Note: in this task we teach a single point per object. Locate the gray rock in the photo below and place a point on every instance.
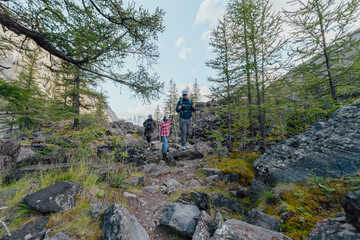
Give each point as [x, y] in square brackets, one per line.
[212, 171]
[260, 219]
[181, 218]
[334, 229]
[240, 193]
[135, 181]
[59, 236]
[202, 149]
[351, 205]
[97, 209]
[212, 179]
[203, 229]
[234, 229]
[129, 195]
[173, 186]
[220, 200]
[60, 196]
[9, 150]
[148, 168]
[25, 152]
[230, 178]
[34, 230]
[151, 189]
[193, 183]
[328, 149]
[119, 224]
[202, 200]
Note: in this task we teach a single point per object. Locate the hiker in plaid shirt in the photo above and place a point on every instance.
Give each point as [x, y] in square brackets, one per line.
[164, 128]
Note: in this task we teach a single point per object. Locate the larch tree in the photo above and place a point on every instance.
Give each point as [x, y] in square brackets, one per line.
[195, 93]
[321, 27]
[95, 37]
[223, 64]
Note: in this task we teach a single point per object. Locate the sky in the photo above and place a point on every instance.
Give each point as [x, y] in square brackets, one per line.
[184, 49]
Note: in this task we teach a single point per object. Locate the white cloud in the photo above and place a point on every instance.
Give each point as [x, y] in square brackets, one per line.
[184, 51]
[210, 11]
[179, 41]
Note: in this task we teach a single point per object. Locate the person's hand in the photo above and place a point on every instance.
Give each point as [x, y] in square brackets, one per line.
[179, 107]
[193, 106]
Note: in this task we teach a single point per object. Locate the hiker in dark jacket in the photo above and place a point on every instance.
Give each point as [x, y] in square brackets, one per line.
[185, 107]
[150, 126]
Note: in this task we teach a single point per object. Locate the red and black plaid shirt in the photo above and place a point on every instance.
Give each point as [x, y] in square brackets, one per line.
[165, 128]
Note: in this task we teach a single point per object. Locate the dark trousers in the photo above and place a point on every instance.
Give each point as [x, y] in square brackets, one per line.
[185, 128]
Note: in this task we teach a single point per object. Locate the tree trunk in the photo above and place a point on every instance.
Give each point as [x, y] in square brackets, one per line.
[248, 80]
[326, 54]
[76, 99]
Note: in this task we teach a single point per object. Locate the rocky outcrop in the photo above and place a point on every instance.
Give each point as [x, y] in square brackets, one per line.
[181, 218]
[60, 196]
[235, 229]
[59, 236]
[34, 230]
[260, 219]
[205, 118]
[199, 150]
[328, 149]
[202, 200]
[118, 224]
[98, 208]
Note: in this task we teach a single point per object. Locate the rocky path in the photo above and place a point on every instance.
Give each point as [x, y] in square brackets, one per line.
[160, 182]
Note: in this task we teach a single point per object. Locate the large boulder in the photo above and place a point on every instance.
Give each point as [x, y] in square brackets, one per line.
[181, 218]
[59, 236]
[260, 219]
[235, 229]
[9, 150]
[351, 205]
[334, 229]
[220, 200]
[119, 224]
[34, 230]
[60, 196]
[328, 149]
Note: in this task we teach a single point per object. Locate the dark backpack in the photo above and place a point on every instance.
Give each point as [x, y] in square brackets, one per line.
[149, 125]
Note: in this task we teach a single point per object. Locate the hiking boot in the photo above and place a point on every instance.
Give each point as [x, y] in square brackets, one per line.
[183, 147]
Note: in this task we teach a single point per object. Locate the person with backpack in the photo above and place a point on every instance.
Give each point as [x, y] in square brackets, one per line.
[150, 126]
[164, 128]
[185, 107]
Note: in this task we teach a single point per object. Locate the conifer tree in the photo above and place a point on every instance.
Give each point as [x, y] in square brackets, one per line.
[195, 94]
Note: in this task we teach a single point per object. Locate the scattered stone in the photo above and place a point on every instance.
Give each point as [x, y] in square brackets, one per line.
[181, 218]
[98, 209]
[24, 153]
[351, 205]
[135, 181]
[184, 199]
[235, 229]
[328, 149]
[220, 200]
[241, 193]
[260, 219]
[119, 224]
[152, 189]
[212, 179]
[34, 230]
[202, 200]
[173, 186]
[203, 227]
[60, 196]
[154, 181]
[212, 171]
